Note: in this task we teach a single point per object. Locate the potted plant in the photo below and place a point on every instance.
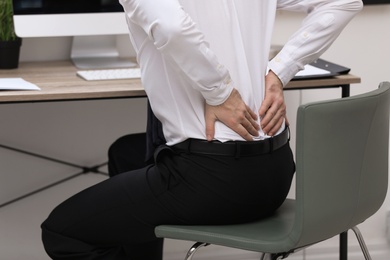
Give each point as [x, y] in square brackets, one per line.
[9, 42]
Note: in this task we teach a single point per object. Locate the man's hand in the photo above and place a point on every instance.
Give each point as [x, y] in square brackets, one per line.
[235, 114]
[273, 109]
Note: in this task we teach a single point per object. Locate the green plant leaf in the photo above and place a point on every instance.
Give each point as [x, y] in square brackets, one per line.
[7, 32]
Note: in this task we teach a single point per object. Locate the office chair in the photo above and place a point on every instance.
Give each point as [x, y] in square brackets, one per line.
[342, 157]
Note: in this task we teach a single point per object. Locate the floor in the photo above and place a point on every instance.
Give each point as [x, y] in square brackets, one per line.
[20, 221]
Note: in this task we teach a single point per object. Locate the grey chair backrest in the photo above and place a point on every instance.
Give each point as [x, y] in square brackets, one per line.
[342, 158]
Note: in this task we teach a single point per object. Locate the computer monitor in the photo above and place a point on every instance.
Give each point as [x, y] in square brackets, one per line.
[94, 25]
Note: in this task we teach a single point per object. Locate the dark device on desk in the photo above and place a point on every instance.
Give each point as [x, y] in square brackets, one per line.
[334, 70]
[375, 2]
[65, 6]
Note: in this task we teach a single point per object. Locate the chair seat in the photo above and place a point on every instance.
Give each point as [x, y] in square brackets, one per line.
[268, 235]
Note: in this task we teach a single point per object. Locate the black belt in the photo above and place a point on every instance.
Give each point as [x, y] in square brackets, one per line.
[234, 148]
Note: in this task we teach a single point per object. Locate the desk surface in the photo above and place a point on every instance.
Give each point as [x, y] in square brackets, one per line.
[58, 81]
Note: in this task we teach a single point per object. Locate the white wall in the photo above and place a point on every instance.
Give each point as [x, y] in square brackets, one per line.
[82, 131]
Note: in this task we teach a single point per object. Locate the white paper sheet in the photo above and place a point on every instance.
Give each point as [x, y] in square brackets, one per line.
[310, 70]
[16, 84]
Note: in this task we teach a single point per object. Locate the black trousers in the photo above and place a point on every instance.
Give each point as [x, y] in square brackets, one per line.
[115, 219]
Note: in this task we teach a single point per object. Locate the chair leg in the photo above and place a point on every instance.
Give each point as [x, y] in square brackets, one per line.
[361, 243]
[278, 256]
[267, 256]
[193, 249]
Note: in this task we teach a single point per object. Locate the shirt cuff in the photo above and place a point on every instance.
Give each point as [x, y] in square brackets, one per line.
[284, 68]
[218, 95]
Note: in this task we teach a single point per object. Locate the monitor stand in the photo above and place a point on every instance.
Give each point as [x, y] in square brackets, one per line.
[98, 52]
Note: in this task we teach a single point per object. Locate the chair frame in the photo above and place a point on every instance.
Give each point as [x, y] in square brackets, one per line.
[198, 245]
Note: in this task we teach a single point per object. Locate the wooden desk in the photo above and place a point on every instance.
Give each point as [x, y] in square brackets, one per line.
[58, 81]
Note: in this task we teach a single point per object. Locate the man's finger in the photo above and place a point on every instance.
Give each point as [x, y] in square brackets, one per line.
[251, 124]
[276, 126]
[264, 108]
[273, 122]
[243, 132]
[252, 114]
[210, 126]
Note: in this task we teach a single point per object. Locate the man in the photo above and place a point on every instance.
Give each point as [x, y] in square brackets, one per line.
[205, 70]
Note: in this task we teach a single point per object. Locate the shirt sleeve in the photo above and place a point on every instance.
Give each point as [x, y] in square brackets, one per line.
[176, 36]
[324, 22]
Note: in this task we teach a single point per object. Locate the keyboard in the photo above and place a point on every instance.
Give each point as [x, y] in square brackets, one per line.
[110, 74]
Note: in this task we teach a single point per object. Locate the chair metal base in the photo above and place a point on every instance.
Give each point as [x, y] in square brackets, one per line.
[193, 249]
[361, 243]
[265, 256]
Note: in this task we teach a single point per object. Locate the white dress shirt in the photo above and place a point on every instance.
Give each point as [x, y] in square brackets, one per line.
[196, 51]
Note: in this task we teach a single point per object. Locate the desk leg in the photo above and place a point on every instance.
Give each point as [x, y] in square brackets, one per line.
[345, 92]
[344, 245]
